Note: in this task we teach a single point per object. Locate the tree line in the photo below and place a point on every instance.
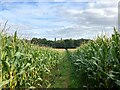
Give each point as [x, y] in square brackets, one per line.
[66, 43]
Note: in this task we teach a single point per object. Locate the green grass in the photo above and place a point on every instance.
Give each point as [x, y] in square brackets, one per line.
[62, 73]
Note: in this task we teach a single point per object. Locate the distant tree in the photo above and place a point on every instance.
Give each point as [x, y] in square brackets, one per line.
[34, 41]
[55, 39]
[67, 43]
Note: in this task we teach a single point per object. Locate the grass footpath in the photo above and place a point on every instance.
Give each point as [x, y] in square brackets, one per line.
[63, 72]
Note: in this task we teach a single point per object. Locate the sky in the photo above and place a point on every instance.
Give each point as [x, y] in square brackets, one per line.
[59, 18]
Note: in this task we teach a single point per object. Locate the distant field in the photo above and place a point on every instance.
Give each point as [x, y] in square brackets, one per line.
[61, 50]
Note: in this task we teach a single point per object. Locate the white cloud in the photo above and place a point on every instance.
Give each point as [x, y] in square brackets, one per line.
[85, 21]
[96, 18]
[60, 1]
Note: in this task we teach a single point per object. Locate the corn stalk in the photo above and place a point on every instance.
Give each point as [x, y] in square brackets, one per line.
[0, 69]
[96, 63]
[25, 65]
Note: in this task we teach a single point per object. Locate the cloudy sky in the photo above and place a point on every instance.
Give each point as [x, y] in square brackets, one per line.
[59, 18]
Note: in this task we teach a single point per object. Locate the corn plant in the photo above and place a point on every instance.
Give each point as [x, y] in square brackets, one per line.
[23, 65]
[97, 63]
[0, 67]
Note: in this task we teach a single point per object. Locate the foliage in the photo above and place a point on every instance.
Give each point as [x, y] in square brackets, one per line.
[97, 64]
[25, 65]
[67, 43]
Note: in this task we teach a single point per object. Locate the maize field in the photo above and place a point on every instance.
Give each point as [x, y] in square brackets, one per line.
[23, 65]
[97, 63]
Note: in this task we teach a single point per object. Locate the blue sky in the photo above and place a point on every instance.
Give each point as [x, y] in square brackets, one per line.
[59, 18]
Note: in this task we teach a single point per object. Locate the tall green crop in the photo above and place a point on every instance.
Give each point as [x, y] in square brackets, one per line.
[97, 63]
[0, 66]
[25, 65]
